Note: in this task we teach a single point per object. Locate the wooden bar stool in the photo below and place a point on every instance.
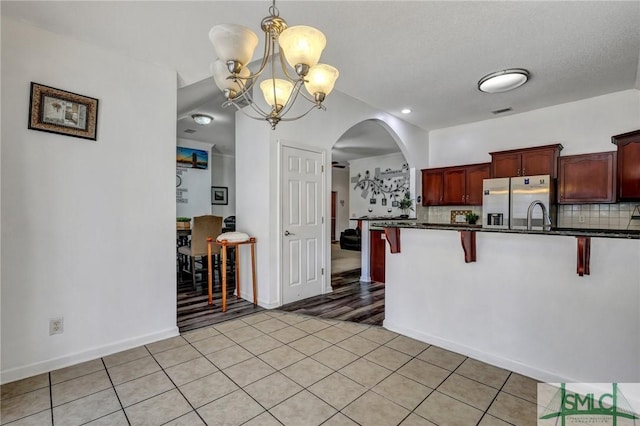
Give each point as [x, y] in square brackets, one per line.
[224, 243]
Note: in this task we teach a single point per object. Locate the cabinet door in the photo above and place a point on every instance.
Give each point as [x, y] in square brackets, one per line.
[587, 178]
[628, 165]
[377, 258]
[539, 162]
[475, 176]
[455, 181]
[505, 165]
[432, 187]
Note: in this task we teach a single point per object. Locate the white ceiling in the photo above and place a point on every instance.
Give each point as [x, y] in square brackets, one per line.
[425, 55]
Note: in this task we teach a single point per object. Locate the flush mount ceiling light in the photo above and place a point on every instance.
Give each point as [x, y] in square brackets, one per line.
[202, 119]
[406, 111]
[503, 81]
[299, 46]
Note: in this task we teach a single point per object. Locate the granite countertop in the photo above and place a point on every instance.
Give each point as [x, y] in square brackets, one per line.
[571, 232]
[384, 218]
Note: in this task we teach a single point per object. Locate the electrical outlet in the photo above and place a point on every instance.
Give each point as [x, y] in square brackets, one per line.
[56, 326]
[581, 219]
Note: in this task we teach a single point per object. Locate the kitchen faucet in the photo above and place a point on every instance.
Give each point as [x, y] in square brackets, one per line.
[545, 216]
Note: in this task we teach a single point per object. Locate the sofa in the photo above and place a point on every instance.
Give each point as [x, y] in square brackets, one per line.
[350, 239]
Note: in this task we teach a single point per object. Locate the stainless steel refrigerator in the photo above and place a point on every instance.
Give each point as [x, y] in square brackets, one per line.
[495, 203]
[531, 203]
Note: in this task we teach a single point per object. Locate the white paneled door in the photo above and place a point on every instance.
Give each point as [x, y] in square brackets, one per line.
[302, 223]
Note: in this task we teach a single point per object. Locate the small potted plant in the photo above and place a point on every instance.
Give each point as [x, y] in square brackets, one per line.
[183, 222]
[405, 205]
[472, 218]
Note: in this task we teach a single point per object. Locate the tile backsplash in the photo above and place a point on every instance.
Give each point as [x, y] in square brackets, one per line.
[603, 216]
[442, 214]
[593, 216]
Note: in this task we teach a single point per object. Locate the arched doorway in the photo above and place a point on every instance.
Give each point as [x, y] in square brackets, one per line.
[370, 174]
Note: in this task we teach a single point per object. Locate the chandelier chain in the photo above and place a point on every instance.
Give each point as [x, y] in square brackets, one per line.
[273, 10]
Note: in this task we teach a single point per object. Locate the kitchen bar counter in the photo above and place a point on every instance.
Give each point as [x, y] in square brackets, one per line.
[521, 305]
[570, 232]
[365, 241]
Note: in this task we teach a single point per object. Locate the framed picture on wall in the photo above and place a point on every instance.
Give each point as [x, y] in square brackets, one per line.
[194, 158]
[66, 113]
[220, 195]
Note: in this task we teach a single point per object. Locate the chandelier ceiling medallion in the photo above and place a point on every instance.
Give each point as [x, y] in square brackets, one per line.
[299, 46]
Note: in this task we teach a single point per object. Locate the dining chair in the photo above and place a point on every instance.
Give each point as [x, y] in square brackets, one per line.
[203, 228]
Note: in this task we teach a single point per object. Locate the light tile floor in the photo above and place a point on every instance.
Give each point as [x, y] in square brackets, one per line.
[275, 368]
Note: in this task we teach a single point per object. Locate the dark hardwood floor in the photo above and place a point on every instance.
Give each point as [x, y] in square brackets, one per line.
[350, 300]
[194, 311]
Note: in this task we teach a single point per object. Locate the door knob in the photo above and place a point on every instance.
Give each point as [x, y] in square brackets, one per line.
[287, 233]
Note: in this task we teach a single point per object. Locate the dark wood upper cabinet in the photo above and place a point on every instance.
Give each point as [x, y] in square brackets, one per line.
[455, 185]
[628, 175]
[587, 178]
[505, 165]
[538, 160]
[432, 189]
[475, 175]
[459, 185]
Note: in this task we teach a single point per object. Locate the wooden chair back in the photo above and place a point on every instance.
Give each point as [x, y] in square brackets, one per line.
[203, 228]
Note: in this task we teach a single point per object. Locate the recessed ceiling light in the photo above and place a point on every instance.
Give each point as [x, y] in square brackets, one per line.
[502, 81]
[406, 111]
[202, 119]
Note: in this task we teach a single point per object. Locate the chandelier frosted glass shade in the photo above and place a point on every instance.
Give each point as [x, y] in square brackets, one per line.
[320, 80]
[503, 81]
[276, 92]
[233, 43]
[221, 76]
[302, 45]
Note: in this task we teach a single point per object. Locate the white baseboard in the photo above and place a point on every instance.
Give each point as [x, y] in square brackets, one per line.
[268, 305]
[22, 372]
[489, 358]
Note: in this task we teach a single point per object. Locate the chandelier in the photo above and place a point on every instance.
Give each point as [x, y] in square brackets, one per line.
[299, 46]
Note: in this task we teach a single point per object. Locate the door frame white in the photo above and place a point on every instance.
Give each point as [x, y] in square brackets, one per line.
[280, 144]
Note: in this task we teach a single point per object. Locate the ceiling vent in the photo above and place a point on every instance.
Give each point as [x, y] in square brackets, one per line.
[189, 131]
[501, 111]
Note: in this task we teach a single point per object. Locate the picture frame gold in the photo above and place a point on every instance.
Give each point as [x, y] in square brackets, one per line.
[59, 111]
